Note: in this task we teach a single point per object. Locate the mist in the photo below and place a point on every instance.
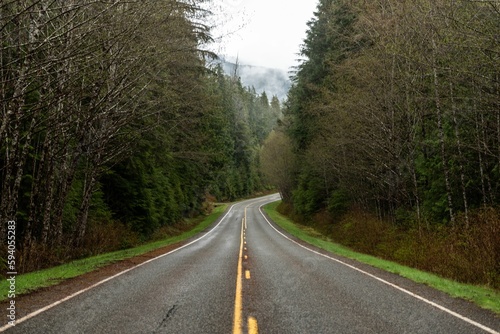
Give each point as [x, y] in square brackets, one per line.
[271, 80]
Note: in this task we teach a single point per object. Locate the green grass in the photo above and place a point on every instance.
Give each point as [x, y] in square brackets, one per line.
[51, 276]
[483, 296]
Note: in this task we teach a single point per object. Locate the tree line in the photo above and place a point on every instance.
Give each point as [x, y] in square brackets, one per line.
[395, 111]
[112, 116]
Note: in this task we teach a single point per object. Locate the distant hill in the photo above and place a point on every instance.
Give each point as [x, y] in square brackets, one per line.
[271, 80]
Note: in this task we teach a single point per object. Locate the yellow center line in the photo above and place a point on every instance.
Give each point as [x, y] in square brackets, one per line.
[252, 326]
[238, 299]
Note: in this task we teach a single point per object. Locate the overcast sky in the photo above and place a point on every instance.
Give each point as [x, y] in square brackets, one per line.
[263, 32]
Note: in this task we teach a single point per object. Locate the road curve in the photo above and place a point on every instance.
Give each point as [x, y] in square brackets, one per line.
[245, 276]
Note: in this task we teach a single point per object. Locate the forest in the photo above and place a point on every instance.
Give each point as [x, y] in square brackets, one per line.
[391, 137]
[115, 123]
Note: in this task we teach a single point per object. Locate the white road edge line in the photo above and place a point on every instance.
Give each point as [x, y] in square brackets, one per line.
[37, 312]
[442, 308]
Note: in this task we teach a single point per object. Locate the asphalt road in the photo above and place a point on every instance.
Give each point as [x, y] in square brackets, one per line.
[244, 276]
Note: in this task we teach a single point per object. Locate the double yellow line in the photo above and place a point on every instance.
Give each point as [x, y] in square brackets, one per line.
[238, 299]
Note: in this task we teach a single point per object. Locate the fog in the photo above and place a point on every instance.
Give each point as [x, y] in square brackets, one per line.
[271, 80]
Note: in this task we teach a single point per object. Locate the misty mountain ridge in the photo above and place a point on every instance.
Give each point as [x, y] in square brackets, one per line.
[271, 80]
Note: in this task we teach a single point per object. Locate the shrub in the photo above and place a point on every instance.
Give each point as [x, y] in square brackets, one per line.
[468, 252]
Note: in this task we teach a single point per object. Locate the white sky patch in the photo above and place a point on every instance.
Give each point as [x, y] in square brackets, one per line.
[264, 33]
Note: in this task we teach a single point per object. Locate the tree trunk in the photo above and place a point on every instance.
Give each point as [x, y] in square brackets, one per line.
[441, 134]
[81, 221]
[460, 155]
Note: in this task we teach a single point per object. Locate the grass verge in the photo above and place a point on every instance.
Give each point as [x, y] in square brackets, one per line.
[39, 279]
[485, 297]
